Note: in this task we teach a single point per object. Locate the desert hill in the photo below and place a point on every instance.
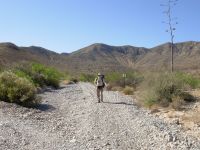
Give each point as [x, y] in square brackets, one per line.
[102, 57]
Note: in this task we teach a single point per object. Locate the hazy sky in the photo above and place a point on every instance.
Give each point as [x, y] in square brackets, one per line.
[67, 25]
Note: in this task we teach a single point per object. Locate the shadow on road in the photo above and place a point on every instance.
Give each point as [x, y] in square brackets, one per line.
[119, 103]
[45, 107]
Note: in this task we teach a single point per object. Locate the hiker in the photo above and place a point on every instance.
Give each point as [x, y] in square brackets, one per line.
[100, 84]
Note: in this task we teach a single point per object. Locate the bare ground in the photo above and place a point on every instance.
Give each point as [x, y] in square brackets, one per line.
[71, 118]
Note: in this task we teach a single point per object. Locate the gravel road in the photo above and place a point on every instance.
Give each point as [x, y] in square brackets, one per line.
[71, 119]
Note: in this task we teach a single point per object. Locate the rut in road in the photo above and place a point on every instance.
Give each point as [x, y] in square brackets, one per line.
[71, 118]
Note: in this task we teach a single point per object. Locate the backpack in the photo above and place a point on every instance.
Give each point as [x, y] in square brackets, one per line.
[100, 81]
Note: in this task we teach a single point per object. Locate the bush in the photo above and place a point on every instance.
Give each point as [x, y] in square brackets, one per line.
[128, 90]
[177, 102]
[109, 87]
[192, 80]
[115, 78]
[87, 77]
[18, 90]
[164, 89]
[46, 75]
[133, 79]
[39, 74]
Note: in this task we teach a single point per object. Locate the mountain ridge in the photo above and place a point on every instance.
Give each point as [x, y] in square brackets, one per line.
[103, 57]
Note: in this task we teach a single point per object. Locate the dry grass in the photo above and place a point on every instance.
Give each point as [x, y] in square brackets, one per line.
[191, 116]
[128, 90]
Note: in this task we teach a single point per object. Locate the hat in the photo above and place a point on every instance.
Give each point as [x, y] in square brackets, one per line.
[99, 74]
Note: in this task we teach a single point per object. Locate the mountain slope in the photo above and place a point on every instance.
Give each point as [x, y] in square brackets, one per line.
[105, 57]
[102, 57]
[186, 57]
[11, 54]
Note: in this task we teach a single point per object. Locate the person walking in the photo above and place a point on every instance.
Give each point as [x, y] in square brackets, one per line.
[100, 84]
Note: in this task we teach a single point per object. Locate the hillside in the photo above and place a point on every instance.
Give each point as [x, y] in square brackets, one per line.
[105, 57]
[186, 57]
[102, 57]
[11, 54]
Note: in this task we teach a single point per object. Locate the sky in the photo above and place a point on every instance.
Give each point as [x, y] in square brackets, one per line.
[68, 25]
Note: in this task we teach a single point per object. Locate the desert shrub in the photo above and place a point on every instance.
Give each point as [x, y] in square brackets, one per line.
[23, 74]
[128, 90]
[87, 77]
[114, 88]
[192, 80]
[163, 89]
[150, 100]
[114, 79]
[50, 75]
[177, 102]
[18, 90]
[39, 74]
[133, 79]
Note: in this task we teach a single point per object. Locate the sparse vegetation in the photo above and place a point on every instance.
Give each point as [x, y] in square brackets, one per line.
[39, 74]
[165, 89]
[18, 90]
[128, 90]
[87, 77]
[19, 84]
[115, 79]
[192, 80]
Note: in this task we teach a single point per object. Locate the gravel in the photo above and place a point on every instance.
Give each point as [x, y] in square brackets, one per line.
[71, 118]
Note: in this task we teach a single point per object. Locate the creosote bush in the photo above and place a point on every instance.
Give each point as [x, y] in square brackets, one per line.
[165, 89]
[39, 74]
[18, 90]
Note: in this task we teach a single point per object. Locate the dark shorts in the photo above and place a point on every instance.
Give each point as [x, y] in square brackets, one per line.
[99, 87]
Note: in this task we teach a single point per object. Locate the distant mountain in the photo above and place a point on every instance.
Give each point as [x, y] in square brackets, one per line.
[102, 57]
[186, 57]
[106, 58]
[11, 54]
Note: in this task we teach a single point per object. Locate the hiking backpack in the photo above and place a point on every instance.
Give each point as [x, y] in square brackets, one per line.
[100, 81]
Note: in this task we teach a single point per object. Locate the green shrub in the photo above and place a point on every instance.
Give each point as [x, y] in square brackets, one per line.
[164, 88]
[192, 80]
[39, 74]
[46, 75]
[114, 78]
[23, 74]
[87, 77]
[133, 79]
[150, 101]
[18, 90]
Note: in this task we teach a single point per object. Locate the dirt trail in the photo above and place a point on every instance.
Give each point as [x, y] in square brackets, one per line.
[71, 118]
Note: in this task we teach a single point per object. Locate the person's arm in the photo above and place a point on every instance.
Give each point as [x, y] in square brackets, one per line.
[104, 82]
[95, 81]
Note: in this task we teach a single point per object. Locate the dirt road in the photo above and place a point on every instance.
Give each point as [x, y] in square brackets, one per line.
[71, 119]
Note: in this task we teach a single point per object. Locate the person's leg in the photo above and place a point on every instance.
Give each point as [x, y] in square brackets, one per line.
[98, 94]
[102, 94]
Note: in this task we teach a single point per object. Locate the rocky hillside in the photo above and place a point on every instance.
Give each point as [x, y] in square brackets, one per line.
[186, 57]
[11, 54]
[106, 58]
